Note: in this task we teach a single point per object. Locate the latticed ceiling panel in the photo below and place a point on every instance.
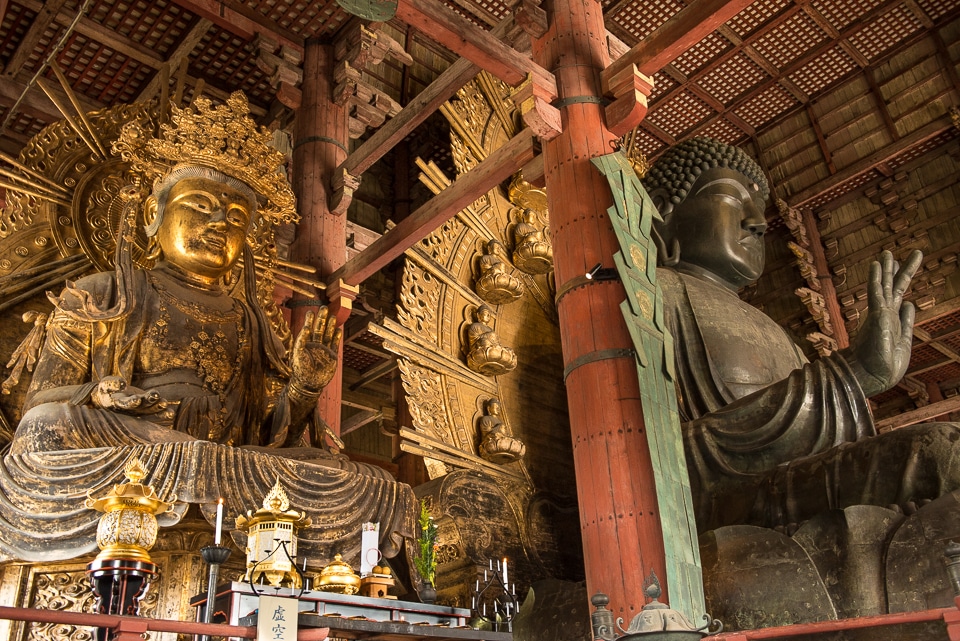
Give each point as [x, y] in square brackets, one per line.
[681, 113]
[99, 72]
[701, 54]
[50, 35]
[650, 145]
[788, 41]
[848, 186]
[755, 16]
[662, 84]
[842, 13]
[221, 56]
[947, 372]
[936, 8]
[15, 23]
[723, 130]
[304, 18]
[821, 72]
[23, 124]
[885, 32]
[733, 78]
[765, 106]
[158, 25]
[923, 356]
[641, 19]
[925, 148]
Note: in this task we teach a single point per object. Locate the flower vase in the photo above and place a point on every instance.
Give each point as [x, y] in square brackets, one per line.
[427, 594]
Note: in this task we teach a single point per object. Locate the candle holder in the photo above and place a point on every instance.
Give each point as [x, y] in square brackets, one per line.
[505, 604]
[215, 556]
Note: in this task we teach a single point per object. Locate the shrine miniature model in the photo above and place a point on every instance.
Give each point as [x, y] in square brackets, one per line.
[162, 359]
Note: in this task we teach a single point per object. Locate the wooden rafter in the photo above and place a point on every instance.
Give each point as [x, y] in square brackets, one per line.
[501, 164]
[242, 21]
[47, 14]
[179, 55]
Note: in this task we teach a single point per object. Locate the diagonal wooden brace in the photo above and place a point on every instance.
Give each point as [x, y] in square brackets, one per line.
[533, 98]
[628, 89]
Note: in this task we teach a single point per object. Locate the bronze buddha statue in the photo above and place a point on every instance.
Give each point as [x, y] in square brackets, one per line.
[494, 284]
[485, 354]
[770, 438]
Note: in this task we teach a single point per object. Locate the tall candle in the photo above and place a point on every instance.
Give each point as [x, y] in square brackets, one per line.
[216, 537]
[505, 582]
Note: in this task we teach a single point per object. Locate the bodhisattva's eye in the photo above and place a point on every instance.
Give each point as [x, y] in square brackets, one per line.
[237, 215]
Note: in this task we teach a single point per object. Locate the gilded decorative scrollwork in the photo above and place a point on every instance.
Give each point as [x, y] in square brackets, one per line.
[419, 297]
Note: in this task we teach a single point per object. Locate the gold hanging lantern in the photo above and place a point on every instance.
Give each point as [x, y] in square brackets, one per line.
[272, 540]
[128, 527]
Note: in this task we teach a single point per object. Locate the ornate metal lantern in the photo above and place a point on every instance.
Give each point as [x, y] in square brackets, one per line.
[128, 527]
[272, 540]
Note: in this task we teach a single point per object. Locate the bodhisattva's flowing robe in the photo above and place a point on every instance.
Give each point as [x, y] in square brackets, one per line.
[772, 439]
[65, 446]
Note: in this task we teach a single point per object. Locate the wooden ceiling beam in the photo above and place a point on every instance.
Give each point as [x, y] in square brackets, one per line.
[497, 167]
[179, 55]
[45, 17]
[416, 111]
[919, 415]
[882, 155]
[242, 21]
[686, 28]
[111, 39]
[481, 47]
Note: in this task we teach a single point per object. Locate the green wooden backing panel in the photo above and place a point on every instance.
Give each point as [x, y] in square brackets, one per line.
[632, 214]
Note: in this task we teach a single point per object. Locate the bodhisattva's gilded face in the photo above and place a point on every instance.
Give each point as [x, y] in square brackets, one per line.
[204, 227]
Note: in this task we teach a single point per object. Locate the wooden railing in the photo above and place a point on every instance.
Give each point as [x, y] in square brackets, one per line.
[133, 628]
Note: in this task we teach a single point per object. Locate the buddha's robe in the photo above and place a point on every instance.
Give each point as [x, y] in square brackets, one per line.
[772, 439]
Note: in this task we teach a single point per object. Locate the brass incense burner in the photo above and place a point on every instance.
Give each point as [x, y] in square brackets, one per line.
[338, 577]
[128, 527]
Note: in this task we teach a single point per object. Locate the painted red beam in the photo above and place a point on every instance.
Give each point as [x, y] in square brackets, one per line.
[484, 49]
[496, 168]
[688, 27]
[234, 18]
[949, 616]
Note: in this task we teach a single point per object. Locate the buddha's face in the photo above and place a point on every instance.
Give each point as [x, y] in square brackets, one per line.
[204, 226]
[720, 227]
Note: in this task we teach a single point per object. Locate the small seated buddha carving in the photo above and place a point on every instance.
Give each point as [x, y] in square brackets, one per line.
[487, 356]
[496, 444]
[495, 285]
[531, 254]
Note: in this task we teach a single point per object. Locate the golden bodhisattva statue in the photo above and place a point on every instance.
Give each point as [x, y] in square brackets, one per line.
[487, 356]
[532, 254]
[495, 285]
[167, 357]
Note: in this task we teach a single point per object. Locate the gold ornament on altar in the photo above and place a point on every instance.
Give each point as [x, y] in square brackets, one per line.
[128, 527]
[338, 577]
[272, 540]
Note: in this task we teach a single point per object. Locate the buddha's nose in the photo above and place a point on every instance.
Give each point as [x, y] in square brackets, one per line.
[754, 220]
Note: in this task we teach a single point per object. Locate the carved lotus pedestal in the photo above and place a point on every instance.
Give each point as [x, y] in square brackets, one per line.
[534, 258]
[502, 449]
[492, 361]
[499, 288]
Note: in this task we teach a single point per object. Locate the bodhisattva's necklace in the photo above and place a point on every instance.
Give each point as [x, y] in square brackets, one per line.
[209, 344]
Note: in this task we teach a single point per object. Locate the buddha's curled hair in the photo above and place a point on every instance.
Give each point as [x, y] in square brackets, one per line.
[680, 166]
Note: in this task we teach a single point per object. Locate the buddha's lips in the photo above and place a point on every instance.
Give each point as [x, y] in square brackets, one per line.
[214, 239]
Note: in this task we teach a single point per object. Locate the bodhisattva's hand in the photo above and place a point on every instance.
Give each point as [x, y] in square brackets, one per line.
[314, 360]
[880, 352]
[113, 393]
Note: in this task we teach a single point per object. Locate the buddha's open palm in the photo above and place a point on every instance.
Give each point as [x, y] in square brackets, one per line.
[881, 350]
[315, 351]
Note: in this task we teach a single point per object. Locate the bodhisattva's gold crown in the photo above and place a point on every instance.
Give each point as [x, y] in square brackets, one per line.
[224, 138]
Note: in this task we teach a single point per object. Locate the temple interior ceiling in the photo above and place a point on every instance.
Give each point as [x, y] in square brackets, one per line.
[850, 106]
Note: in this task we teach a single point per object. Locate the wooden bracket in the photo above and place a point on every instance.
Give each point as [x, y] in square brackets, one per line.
[340, 297]
[628, 89]
[533, 99]
[531, 18]
[342, 187]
